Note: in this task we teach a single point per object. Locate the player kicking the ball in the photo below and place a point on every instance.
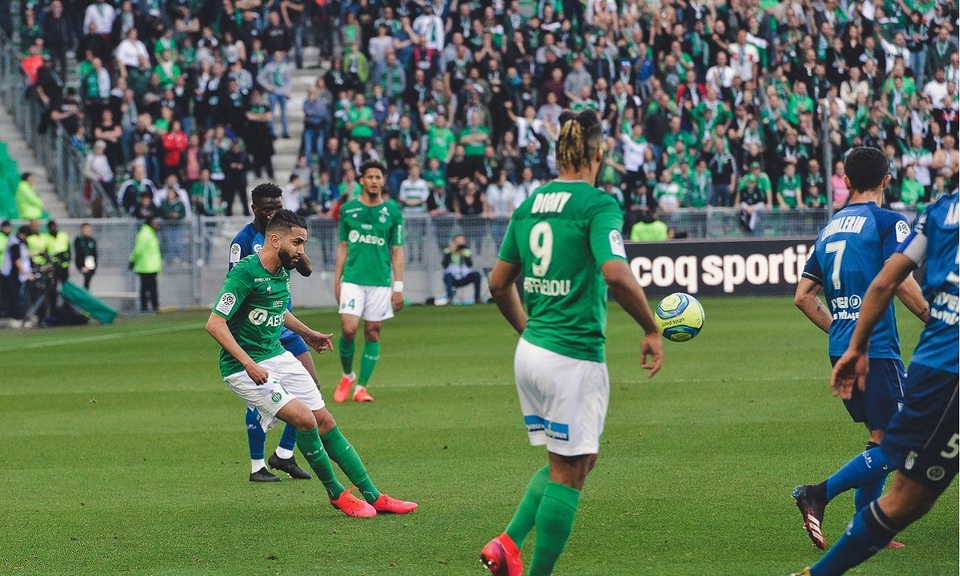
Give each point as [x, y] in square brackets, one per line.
[265, 200]
[371, 239]
[565, 240]
[246, 321]
[921, 441]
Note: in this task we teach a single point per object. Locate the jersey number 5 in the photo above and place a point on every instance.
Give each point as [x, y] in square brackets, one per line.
[839, 246]
[541, 245]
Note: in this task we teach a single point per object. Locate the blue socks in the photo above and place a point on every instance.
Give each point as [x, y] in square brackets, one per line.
[256, 437]
[866, 471]
[869, 532]
[289, 439]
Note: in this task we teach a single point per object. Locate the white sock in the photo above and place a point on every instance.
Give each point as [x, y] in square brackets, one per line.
[357, 388]
[282, 453]
[256, 465]
[352, 375]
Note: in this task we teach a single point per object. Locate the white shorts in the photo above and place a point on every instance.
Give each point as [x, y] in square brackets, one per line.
[564, 400]
[288, 380]
[372, 303]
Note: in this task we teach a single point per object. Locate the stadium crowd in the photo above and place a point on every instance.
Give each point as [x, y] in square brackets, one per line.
[712, 102]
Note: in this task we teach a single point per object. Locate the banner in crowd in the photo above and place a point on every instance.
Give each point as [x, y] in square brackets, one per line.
[741, 267]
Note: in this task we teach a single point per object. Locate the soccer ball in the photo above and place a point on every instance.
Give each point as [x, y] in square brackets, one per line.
[680, 317]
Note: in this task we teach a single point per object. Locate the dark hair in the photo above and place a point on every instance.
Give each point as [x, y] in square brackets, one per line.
[265, 190]
[26, 175]
[24, 230]
[865, 167]
[371, 165]
[581, 135]
[285, 220]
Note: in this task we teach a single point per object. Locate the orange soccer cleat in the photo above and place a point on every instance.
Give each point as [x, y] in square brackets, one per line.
[390, 505]
[343, 388]
[502, 557]
[353, 506]
[361, 395]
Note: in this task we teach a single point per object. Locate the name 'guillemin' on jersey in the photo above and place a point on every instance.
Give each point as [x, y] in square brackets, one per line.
[560, 236]
[370, 232]
[253, 302]
[849, 253]
[935, 238]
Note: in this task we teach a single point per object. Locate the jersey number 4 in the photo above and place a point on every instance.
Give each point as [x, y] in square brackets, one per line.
[541, 245]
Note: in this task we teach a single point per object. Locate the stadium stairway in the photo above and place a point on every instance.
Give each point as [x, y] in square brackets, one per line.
[19, 151]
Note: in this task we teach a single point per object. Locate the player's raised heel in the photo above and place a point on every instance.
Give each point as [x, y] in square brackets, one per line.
[288, 465]
[353, 506]
[263, 475]
[804, 572]
[502, 557]
[343, 388]
[390, 505]
[812, 509]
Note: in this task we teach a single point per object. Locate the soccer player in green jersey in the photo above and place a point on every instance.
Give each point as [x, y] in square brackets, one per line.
[246, 322]
[371, 243]
[565, 240]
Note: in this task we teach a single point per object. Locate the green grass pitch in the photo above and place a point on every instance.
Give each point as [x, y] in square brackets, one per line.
[126, 454]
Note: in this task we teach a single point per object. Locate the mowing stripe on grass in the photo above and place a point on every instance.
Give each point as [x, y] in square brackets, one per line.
[99, 338]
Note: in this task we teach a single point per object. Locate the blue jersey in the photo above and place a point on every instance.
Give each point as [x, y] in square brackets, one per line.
[850, 251]
[935, 239]
[249, 241]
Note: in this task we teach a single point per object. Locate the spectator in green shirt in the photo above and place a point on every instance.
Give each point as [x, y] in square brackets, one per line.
[360, 123]
[788, 188]
[911, 191]
[440, 140]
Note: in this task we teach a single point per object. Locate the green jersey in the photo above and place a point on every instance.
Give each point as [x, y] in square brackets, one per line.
[370, 232]
[253, 301]
[560, 236]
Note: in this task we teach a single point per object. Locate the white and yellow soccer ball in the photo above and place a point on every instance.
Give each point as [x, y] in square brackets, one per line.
[680, 317]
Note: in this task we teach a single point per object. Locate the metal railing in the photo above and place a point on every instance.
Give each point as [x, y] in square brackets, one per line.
[52, 149]
[195, 252]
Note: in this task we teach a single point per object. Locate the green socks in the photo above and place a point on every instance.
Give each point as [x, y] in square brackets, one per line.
[349, 461]
[346, 354]
[371, 353]
[526, 514]
[554, 523]
[309, 444]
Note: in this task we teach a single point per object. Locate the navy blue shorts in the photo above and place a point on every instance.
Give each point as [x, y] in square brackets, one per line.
[884, 394]
[294, 344]
[923, 438]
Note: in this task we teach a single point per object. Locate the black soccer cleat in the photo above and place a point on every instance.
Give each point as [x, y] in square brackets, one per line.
[811, 508]
[288, 465]
[263, 475]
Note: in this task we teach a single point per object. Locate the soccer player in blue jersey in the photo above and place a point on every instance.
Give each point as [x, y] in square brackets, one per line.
[922, 441]
[266, 199]
[849, 253]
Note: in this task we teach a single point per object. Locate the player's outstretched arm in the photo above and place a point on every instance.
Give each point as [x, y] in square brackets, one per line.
[851, 369]
[503, 288]
[807, 299]
[217, 327]
[625, 290]
[317, 340]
